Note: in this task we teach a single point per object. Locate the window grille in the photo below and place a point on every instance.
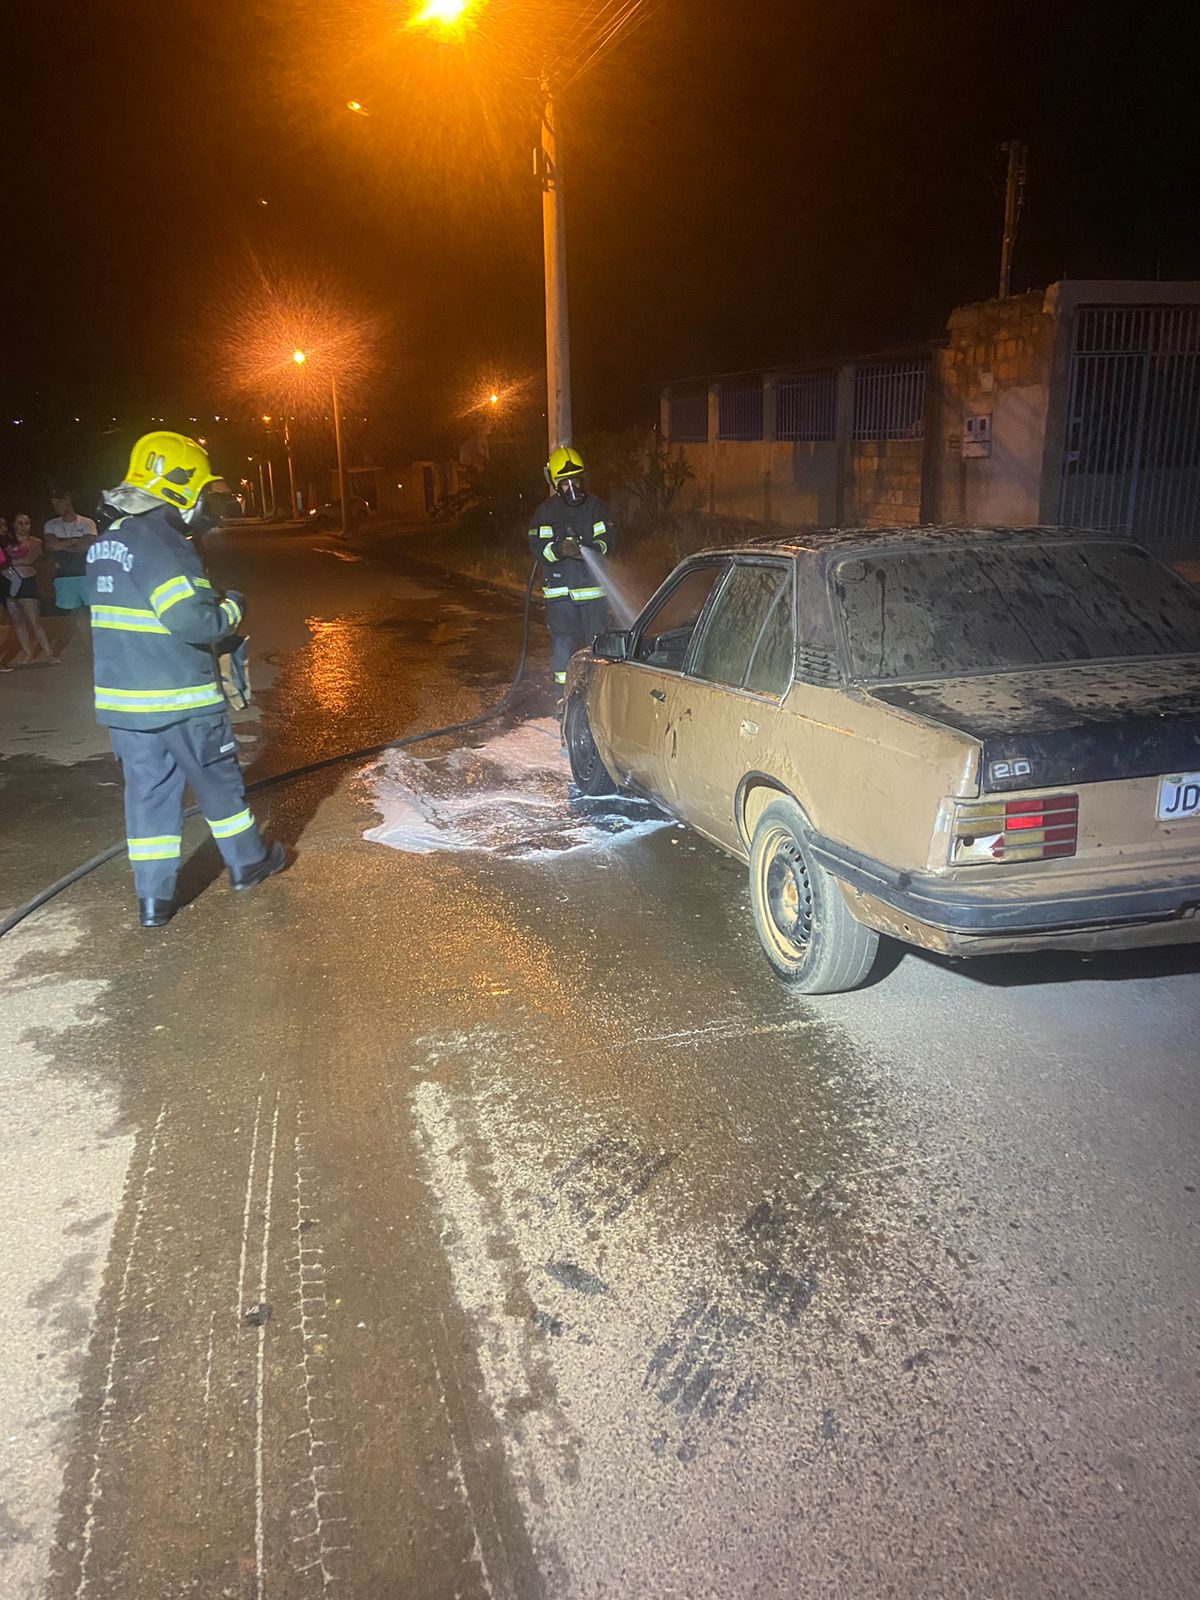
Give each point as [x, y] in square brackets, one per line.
[688, 419]
[889, 400]
[806, 408]
[740, 409]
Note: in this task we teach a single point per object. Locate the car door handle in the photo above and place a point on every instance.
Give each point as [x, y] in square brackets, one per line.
[657, 694]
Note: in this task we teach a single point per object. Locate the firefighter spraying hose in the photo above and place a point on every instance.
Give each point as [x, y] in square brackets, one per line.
[572, 531]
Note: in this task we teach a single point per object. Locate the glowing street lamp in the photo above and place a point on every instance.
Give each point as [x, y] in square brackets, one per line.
[445, 13]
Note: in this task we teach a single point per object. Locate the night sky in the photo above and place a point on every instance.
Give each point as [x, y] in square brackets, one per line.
[747, 183]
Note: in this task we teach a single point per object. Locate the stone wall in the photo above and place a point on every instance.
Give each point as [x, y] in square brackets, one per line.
[884, 487]
[997, 435]
[996, 366]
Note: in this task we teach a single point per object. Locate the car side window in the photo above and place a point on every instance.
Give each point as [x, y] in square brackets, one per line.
[665, 636]
[739, 623]
[773, 661]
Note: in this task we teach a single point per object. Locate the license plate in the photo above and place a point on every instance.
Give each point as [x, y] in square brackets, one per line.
[1179, 796]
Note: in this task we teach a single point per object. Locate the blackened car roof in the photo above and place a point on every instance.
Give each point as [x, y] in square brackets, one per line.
[812, 541]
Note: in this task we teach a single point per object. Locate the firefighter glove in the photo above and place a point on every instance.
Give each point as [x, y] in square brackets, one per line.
[570, 548]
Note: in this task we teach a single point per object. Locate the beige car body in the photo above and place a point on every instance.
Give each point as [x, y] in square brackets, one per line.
[877, 785]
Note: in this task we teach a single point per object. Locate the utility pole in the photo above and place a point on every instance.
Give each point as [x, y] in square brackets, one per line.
[1014, 198]
[271, 483]
[554, 239]
[287, 446]
[262, 492]
[343, 490]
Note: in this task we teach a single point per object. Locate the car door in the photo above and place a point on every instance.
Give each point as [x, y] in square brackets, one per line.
[727, 706]
[635, 700]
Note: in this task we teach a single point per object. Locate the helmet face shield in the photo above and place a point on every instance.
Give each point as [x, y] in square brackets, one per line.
[216, 503]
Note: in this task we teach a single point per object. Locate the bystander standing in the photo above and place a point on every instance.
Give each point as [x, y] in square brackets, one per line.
[22, 553]
[68, 536]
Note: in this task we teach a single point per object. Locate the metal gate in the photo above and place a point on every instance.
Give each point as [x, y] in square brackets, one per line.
[1132, 458]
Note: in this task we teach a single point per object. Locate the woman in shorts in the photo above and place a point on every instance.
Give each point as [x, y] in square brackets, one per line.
[22, 554]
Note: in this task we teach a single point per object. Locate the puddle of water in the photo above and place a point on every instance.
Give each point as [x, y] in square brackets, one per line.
[509, 797]
[331, 550]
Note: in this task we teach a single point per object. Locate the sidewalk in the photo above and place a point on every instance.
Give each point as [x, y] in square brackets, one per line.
[45, 710]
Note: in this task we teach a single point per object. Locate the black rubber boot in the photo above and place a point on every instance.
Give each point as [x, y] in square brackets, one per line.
[155, 913]
[275, 860]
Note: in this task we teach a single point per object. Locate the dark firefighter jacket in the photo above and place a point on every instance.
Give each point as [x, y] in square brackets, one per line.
[554, 520]
[155, 617]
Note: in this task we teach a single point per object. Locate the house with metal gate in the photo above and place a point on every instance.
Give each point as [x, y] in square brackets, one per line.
[1079, 405]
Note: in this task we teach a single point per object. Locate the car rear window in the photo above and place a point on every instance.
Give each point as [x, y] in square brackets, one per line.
[955, 612]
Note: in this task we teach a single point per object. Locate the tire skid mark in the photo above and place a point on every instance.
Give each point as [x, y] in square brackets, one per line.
[239, 1304]
[322, 1508]
[495, 1538]
[491, 1285]
[108, 1401]
[260, 1368]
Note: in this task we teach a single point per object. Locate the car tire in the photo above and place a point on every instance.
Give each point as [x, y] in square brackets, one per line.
[587, 769]
[808, 934]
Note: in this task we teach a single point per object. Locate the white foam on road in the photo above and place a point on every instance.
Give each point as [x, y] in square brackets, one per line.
[509, 797]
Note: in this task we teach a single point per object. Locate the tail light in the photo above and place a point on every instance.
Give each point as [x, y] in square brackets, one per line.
[1039, 829]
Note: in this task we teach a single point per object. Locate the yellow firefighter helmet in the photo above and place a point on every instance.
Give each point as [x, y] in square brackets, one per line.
[171, 467]
[564, 463]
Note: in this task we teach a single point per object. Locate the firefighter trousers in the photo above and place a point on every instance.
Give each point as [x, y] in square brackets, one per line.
[573, 625]
[157, 763]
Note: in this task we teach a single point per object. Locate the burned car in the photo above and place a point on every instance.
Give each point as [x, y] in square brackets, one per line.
[971, 740]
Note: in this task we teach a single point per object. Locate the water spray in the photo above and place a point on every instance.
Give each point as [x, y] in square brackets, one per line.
[623, 608]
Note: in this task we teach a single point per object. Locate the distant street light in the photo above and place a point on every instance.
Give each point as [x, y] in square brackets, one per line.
[300, 357]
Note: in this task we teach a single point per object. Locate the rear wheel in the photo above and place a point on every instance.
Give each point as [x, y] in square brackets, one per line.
[806, 929]
[589, 772]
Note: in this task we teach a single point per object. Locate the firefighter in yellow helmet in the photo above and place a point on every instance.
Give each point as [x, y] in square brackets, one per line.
[571, 535]
[155, 621]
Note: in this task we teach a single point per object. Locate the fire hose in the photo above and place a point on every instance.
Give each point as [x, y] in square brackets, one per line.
[367, 753]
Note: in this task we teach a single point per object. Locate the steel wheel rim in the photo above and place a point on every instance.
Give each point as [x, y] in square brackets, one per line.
[584, 754]
[786, 893]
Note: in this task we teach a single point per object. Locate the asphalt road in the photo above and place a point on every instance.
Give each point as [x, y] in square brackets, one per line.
[480, 1218]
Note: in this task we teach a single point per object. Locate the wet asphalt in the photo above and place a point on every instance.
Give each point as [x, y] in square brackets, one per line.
[498, 1227]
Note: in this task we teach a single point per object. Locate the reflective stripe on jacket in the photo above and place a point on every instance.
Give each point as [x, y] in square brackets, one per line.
[155, 617]
[555, 520]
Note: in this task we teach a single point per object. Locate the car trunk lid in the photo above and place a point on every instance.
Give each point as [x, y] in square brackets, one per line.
[1096, 722]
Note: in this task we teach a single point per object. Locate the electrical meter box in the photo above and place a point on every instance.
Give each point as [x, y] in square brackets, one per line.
[977, 434]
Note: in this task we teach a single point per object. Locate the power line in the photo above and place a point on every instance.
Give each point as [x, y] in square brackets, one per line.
[597, 31]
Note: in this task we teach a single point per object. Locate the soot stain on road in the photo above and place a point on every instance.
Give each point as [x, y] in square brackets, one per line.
[778, 1299]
